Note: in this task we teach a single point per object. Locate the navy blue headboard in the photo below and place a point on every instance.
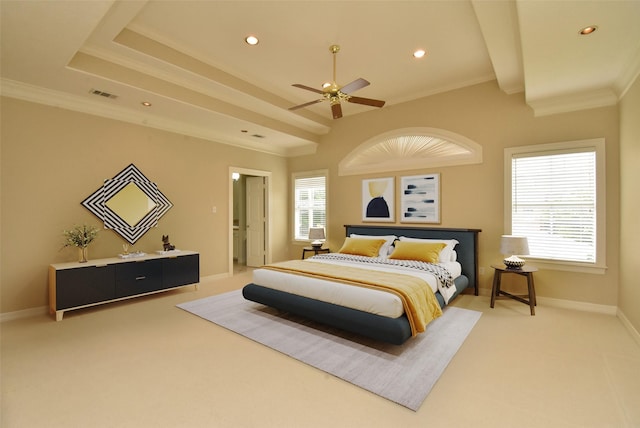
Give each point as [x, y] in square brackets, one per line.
[467, 248]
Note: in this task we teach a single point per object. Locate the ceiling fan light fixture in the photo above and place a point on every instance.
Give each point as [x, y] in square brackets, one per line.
[335, 93]
[251, 40]
[419, 53]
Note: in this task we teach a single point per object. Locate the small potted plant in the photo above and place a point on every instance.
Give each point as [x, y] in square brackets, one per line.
[80, 237]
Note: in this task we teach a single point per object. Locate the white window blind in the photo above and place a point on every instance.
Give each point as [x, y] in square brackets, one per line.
[310, 200]
[553, 203]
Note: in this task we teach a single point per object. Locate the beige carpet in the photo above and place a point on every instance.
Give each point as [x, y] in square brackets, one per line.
[403, 374]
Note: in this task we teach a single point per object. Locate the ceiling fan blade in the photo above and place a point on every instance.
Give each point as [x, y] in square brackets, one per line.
[354, 86]
[336, 109]
[366, 101]
[308, 88]
[306, 104]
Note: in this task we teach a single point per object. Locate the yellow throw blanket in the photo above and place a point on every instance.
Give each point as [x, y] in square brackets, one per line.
[418, 300]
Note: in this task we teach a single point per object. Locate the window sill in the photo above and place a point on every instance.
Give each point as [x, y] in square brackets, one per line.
[302, 242]
[568, 266]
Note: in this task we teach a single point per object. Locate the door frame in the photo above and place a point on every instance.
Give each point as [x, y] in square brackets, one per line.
[267, 200]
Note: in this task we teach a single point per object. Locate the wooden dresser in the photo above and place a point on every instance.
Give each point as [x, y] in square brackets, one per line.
[79, 285]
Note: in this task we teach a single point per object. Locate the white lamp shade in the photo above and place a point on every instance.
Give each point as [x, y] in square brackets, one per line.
[316, 233]
[514, 245]
[317, 236]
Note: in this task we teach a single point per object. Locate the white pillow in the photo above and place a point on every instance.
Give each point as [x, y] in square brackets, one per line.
[454, 256]
[446, 254]
[384, 249]
[391, 248]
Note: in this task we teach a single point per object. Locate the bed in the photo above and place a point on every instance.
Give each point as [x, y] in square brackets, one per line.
[396, 329]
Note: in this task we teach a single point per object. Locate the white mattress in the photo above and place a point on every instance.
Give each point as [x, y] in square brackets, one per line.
[360, 298]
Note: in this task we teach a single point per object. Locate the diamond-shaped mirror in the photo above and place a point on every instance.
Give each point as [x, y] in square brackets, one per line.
[131, 204]
[128, 203]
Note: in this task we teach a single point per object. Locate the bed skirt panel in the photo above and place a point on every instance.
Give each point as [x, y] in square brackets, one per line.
[377, 327]
[390, 330]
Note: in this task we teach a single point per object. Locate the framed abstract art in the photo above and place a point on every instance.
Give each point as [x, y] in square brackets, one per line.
[420, 199]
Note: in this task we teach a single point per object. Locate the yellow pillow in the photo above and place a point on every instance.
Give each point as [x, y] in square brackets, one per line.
[425, 252]
[362, 247]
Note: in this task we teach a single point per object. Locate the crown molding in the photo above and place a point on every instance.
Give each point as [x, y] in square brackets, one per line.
[573, 102]
[40, 95]
[629, 75]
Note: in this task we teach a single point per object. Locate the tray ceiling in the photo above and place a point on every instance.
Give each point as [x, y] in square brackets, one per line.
[190, 61]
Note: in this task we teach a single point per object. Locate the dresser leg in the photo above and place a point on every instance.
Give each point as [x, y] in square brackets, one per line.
[59, 315]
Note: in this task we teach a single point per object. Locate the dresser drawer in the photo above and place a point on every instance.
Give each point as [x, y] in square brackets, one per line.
[138, 277]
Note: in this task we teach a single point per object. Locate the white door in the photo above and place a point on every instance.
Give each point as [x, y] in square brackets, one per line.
[256, 225]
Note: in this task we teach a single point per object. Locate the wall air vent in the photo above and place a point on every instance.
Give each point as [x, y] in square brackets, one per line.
[103, 94]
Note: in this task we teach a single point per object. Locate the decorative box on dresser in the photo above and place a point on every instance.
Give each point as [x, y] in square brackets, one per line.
[79, 285]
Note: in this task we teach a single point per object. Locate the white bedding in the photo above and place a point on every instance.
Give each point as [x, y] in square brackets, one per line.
[360, 298]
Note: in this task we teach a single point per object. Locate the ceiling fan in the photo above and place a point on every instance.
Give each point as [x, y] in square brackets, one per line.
[335, 93]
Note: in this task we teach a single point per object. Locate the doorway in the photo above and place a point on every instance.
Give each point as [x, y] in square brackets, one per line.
[249, 227]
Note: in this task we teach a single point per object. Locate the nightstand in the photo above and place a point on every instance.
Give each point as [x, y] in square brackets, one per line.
[314, 250]
[526, 271]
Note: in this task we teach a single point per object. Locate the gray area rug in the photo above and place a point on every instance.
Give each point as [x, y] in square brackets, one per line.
[403, 374]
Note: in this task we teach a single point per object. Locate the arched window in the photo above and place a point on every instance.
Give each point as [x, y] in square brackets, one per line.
[410, 148]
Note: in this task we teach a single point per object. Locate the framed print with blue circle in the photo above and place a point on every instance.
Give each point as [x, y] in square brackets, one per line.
[378, 199]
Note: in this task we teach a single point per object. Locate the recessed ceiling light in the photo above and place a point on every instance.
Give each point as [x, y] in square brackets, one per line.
[419, 53]
[588, 30]
[251, 40]
[146, 103]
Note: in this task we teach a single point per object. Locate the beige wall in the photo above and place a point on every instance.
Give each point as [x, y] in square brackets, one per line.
[629, 300]
[472, 196]
[53, 158]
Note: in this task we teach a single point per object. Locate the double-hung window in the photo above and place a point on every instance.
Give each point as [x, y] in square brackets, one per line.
[310, 202]
[555, 196]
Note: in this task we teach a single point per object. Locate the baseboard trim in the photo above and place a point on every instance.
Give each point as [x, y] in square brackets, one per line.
[578, 306]
[567, 304]
[42, 310]
[587, 307]
[25, 313]
[215, 277]
[558, 303]
[630, 328]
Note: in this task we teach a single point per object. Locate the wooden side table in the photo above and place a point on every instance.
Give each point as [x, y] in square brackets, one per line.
[314, 250]
[526, 271]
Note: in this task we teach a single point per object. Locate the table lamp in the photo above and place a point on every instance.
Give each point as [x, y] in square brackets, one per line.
[317, 234]
[514, 246]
